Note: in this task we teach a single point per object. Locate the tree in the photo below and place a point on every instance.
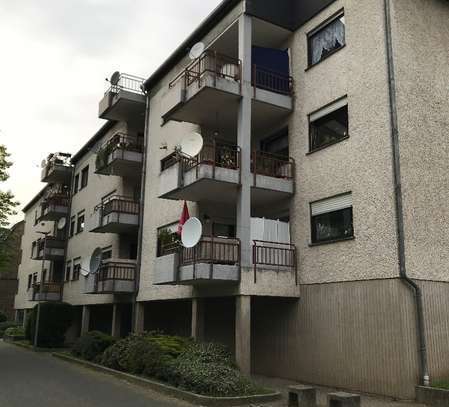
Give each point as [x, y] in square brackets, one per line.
[7, 202]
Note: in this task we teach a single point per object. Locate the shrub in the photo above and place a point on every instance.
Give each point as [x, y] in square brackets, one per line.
[91, 345]
[3, 317]
[208, 369]
[5, 325]
[15, 331]
[55, 319]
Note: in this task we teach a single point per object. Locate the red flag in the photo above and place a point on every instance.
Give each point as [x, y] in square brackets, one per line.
[184, 217]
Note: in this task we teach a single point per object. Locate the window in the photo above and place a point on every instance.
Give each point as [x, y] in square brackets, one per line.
[76, 269]
[223, 230]
[80, 223]
[326, 39]
[76, 182]
[84, 177]
[332, 219]
[34, 278]
[68, 269]
[30, 279]
[329, 125]
[72, 226]
[107, 253]
[33, 249]
[167, 239]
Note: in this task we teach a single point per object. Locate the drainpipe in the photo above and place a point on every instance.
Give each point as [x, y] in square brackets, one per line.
[424, 373]
[142, 209]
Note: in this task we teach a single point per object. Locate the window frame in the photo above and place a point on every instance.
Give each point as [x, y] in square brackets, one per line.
[310, 123]
[84, 179]
[333, 240]
[76, 181]
[81, 215]
[68, 271]
[76, 269]
[320, 27]
[72, 226]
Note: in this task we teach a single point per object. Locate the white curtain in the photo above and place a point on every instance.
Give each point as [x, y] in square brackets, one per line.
[328, 39]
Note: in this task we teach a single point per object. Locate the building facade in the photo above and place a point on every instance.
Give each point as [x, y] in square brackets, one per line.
[320, 185]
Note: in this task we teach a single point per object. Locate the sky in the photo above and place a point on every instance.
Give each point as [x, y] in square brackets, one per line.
[55, 56]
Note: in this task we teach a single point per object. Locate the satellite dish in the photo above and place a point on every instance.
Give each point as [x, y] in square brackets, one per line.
[192, 144]
[43, 163]
[115, 77]
[95, 260]
[191, 234]
[61, 223]
[196, 50]
[85, 266]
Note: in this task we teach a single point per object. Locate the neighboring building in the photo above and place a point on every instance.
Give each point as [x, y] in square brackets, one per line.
[10, 258]
[321, 187]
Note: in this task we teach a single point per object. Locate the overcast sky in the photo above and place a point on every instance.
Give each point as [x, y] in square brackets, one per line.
[55, 55]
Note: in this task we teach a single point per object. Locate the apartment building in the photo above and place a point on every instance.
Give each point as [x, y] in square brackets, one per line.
[321, 189]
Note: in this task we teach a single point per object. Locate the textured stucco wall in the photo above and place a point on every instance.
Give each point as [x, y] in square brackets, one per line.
[29, 266]
[421, 38]
[361, 164]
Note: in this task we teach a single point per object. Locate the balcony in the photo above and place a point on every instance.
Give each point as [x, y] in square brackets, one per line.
[211, 261]
[51, 248]
[115, 276]
[54, 206]
[216, 174]
[124, 100]
[51, 291]
[58, 169]
[212, 84]
[116, 214]
[122, 156]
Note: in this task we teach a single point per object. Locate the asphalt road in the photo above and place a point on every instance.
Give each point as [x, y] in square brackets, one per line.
[40, 380]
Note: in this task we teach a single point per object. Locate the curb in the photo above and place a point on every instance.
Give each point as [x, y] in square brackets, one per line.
[174, 391]
[28, 346]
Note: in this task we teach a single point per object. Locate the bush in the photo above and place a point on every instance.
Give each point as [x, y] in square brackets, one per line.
[208, 369]
[150, 354]
[91, 345]
[5, 325]
[55, 319]
[15, 331]
[3, 317]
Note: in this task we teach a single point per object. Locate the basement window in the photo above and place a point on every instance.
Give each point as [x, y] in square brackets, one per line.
[326, 39]
[329, 125]
[332, 219]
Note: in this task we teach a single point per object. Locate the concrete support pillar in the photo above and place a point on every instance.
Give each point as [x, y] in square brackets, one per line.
[25, 316]
[85, 319]
[244, 140]
[116, 320]
[197, 319]
[139, 317]
[243, 333]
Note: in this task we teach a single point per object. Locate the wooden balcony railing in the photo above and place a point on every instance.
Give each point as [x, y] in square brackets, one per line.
[119, 142]
[272, 165]
[273, 254]
[211, 250]
[213, 63]
[117, 271]
[119, 204]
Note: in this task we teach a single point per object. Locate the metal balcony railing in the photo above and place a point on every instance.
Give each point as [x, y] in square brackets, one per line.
[213, 63]
[119, 142]
[272, 81]
[272, 165]
[116, 271]
[128, 83]
[273, 254]
[48, 288]
[119, 204]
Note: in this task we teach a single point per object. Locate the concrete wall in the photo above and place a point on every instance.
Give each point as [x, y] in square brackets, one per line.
[420, 39]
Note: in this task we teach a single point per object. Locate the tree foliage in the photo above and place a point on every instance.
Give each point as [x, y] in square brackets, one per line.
[7, 202]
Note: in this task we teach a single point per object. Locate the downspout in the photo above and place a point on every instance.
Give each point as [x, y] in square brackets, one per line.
[142, 210]
[424, 371]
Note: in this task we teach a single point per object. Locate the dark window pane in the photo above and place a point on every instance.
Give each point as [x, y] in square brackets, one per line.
[76, 183]
[332, 226]
[80, 224]
[84, 177]
[327, 40]
[329, 129]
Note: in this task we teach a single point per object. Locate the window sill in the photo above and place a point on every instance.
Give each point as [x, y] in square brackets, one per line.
[346, 239]
[324, 59]
[327, 145]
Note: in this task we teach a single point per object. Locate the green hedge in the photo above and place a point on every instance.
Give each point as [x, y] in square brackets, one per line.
[17, 331]
[5, 325]
[55, 319]
[91, 345]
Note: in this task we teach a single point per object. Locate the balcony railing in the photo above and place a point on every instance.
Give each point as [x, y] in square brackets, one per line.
[212, 251]
[57, 169]
[274, 255]
[51, 291]
[272, 165]
[119, 204]
[128, 83]
[212, 63]
[119, 142]
[115, 276]
[272, 81]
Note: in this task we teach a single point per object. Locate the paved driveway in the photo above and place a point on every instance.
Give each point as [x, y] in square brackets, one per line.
[39, 380]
